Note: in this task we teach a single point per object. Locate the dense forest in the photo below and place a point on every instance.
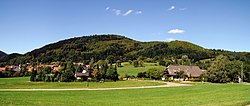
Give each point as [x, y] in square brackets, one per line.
[119, 48]
[2, 54]
[114, 47]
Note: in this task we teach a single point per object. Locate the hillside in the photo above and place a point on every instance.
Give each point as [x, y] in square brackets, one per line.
[2, 54]
[113, 47]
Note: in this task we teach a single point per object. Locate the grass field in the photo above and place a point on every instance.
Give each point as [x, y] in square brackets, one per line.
[23, 82]
[205, 95]
[131, 70]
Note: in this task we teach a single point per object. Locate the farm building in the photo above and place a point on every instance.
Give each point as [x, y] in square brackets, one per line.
[83, 72]
[188, 71]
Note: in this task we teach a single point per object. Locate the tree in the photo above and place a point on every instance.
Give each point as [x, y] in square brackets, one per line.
[152, 73]
[111, 59]
[96, 74]
[141, 63]
[118, 63]
[112, 74]
[47, 69]
[130, 62]
[149, 60]
[91, 63]
[162, 63]
[33, 75]
[135, 63]
[219, 70]
[141, 75]
[68, 74]
[181, 74]
[235, 70]
[185, 60]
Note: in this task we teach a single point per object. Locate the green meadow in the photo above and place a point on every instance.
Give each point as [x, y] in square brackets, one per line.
[131, 70]
[23, 82]
[197, 95]
[200, 94]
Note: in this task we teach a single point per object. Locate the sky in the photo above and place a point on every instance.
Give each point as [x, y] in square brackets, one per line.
[26, 25]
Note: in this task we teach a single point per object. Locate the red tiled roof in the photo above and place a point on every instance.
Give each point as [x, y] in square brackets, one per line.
[2, 69]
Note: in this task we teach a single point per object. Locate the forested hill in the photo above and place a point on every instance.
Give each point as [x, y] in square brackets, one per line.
[114, 47]
[2, 54]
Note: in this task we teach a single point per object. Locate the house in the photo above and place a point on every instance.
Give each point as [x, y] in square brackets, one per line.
[189, 71]
[14, 68]
[83, 72]
[2, 68]
[29, 68]
[56, 68]
[53, 67]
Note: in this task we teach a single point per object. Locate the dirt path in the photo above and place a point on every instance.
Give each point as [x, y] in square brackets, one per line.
[167, 84]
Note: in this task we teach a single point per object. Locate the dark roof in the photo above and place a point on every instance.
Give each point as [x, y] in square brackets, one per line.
[190, 71]
[79, 74]
[83, 71]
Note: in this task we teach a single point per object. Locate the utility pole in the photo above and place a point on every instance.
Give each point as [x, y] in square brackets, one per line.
[242, 72]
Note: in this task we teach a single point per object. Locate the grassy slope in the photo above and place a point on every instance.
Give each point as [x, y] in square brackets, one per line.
[131, 70]
[23, 82]
[206, 95]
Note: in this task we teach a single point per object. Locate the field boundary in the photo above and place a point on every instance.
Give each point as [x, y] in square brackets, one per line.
[167, 84]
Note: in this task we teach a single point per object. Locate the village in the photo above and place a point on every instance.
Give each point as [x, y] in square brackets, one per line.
[84, 72]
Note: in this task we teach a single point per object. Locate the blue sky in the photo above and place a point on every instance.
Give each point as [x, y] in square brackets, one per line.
[215, 24]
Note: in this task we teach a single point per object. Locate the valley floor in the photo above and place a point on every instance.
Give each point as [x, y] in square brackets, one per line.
[121, 93]
[201, 94]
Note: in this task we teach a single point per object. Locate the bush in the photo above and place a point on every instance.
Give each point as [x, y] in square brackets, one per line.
[136, 63]
[112, 74]
[16, 74]
[141, 75]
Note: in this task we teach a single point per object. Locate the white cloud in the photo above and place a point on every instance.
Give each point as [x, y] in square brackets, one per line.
[171, 39]
[138, 12]
[117, 12]
[171, 8]
[182, 9]
[176, 31]
[107, 8]
[128, 12]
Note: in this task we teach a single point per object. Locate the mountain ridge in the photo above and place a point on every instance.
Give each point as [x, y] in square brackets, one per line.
[114, 47]
[2, 53]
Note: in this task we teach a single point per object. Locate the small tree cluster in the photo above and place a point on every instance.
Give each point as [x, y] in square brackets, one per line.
[139, 62]
[65, 74]
[223, 70]
[152, 73]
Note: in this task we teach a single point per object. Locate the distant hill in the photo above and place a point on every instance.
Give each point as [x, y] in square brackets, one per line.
[113, 47]
[9, 57]
[2, 54]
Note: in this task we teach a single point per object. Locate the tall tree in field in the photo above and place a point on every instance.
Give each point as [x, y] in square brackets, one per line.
[140, 61]
[33, 75]
[68, 74]
[219, 70]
